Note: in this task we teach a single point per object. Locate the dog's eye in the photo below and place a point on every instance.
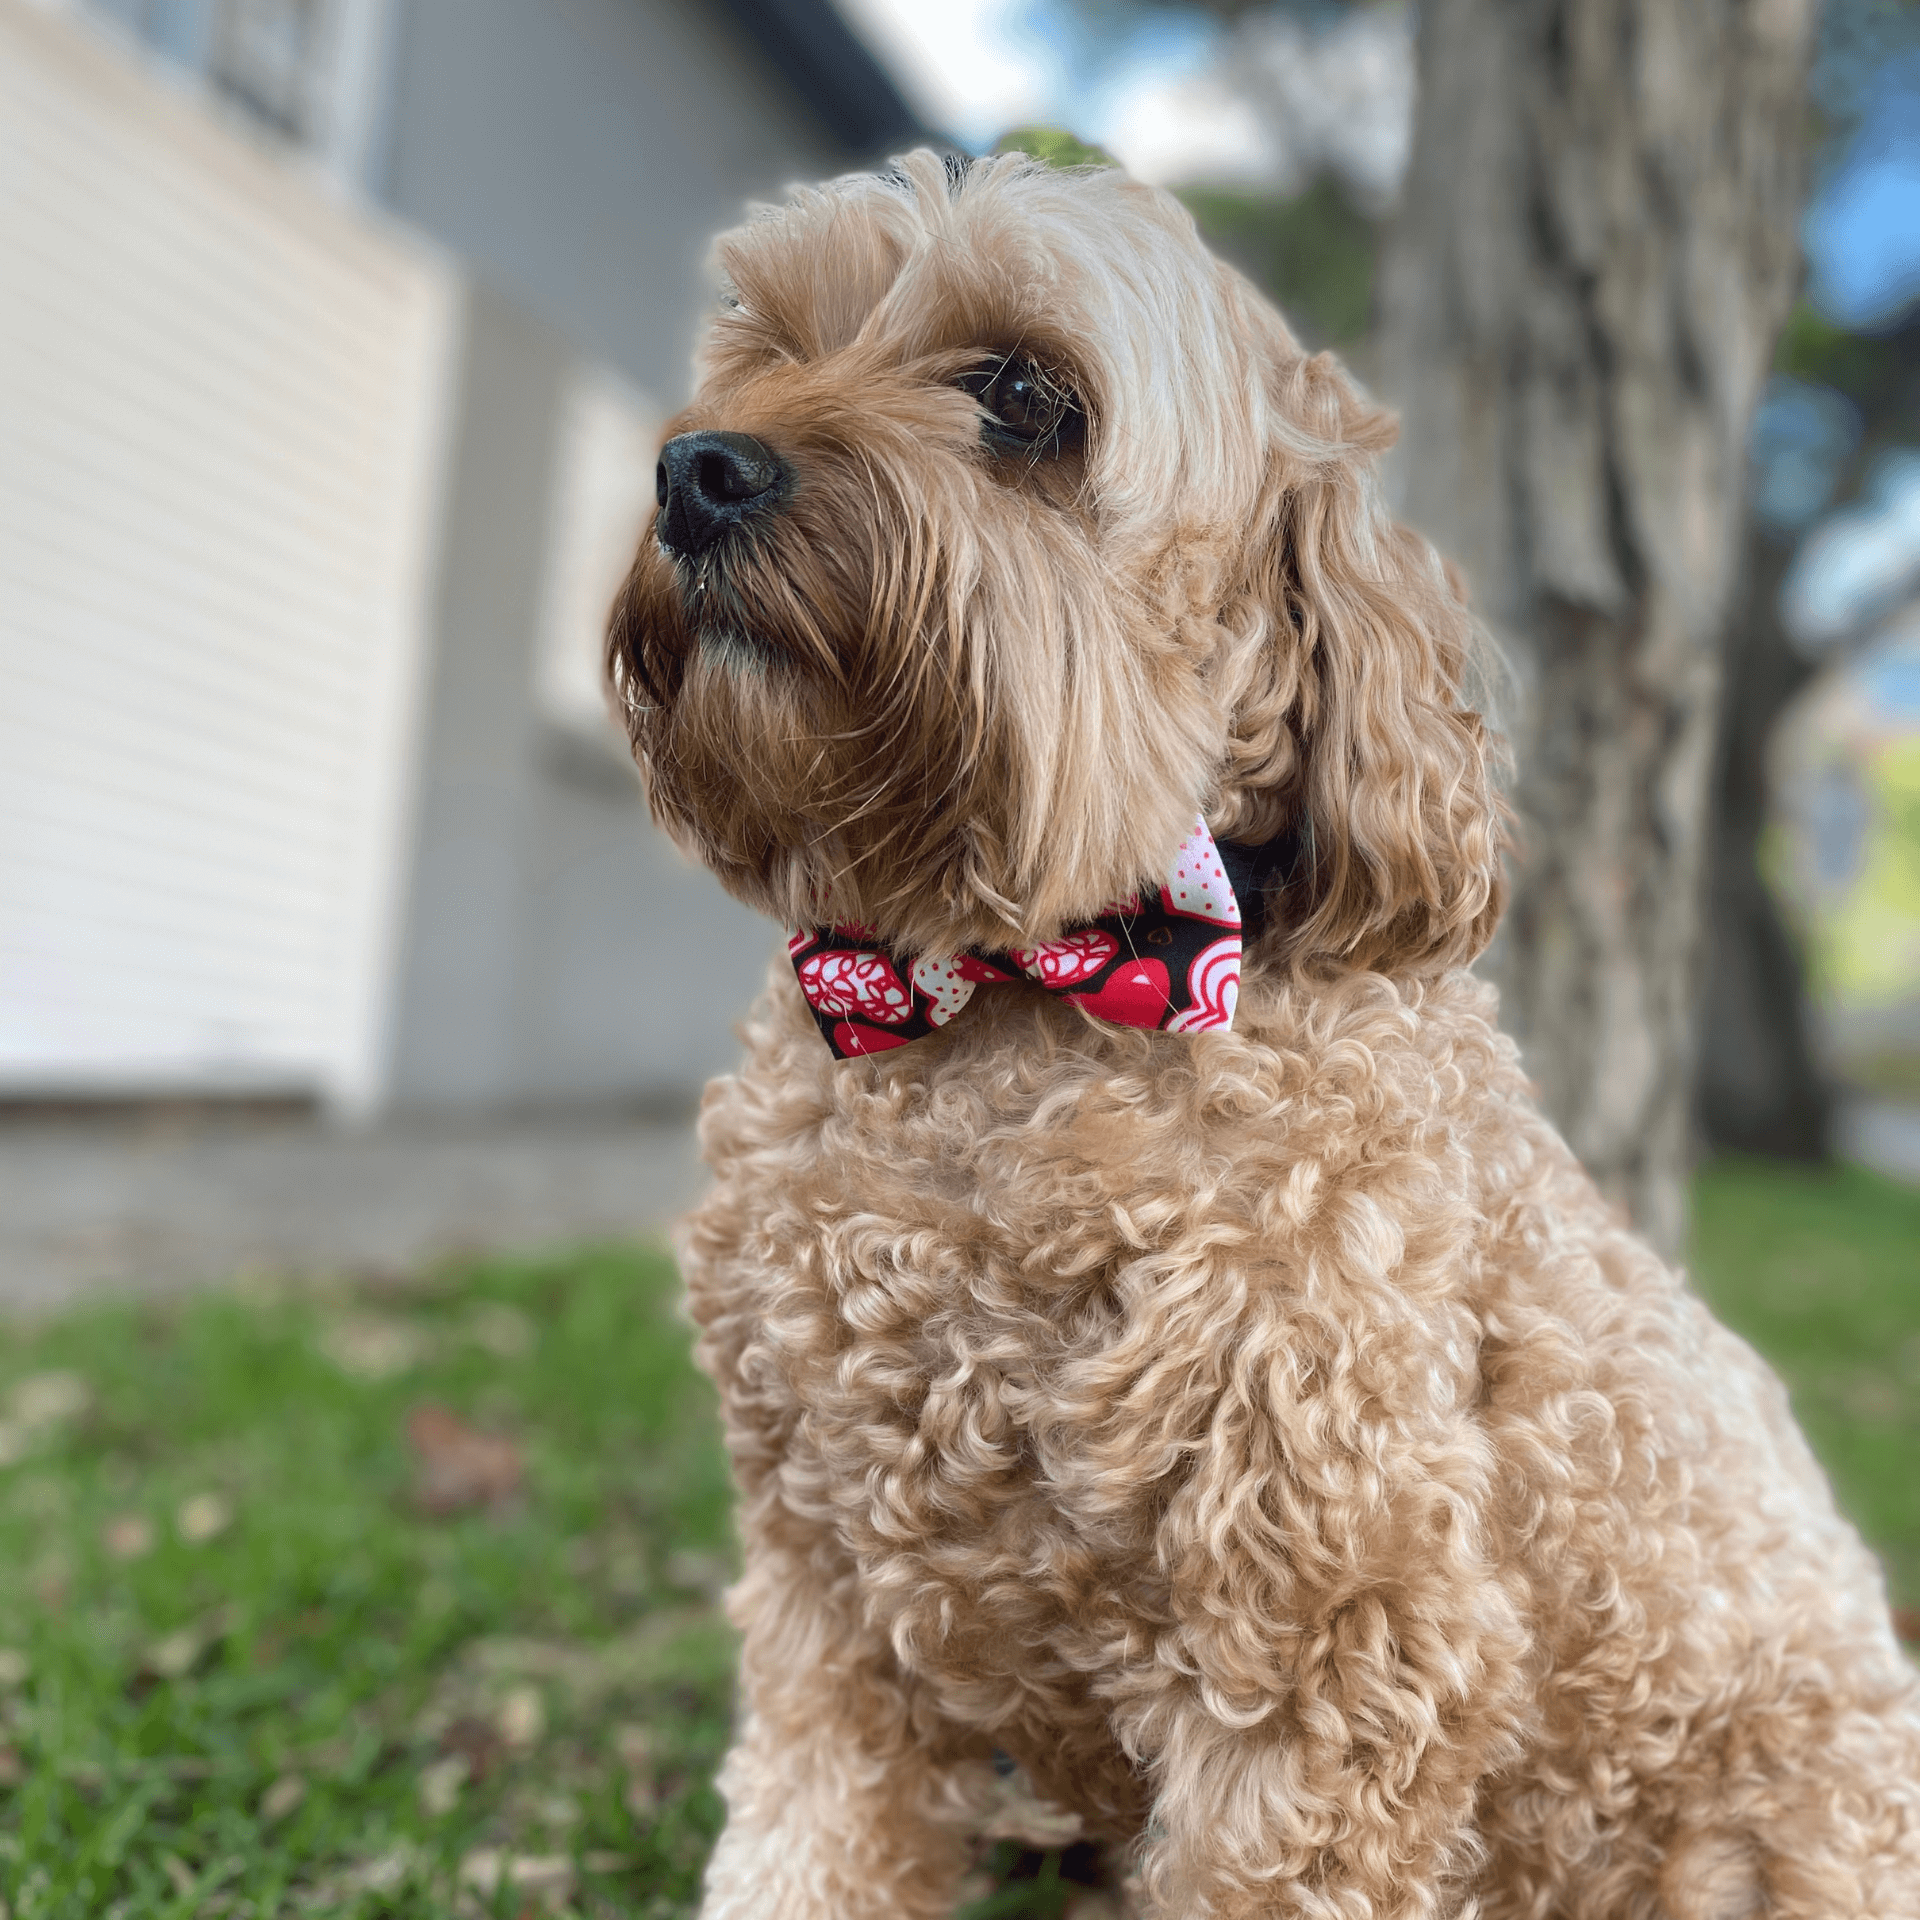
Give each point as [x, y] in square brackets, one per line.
[1025, 405]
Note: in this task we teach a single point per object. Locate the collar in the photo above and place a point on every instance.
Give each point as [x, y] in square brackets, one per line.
[1167, 956]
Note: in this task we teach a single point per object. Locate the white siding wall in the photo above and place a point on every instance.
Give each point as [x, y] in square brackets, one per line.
[606, 448]
[221, 437]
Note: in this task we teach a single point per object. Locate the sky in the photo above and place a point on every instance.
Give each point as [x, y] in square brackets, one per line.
[975, 68]
[971, 67]
[1863, 230]
[1287, 100]
[1294, 98]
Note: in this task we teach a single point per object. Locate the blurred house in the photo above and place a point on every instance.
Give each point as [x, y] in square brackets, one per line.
[334, 342]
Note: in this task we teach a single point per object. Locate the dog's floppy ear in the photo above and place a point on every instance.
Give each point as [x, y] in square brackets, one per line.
[1348, 646]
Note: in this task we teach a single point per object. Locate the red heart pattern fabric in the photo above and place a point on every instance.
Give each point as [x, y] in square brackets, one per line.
[1066, 962]
[1164, 957]
[1213, 989]
[841, 982]
[1135, 995]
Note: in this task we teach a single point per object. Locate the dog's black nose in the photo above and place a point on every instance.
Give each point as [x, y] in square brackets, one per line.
[709, 482]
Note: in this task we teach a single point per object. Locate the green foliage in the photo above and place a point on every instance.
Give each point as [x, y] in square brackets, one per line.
[1880, 373]
[1055, 146]
[1315, 254]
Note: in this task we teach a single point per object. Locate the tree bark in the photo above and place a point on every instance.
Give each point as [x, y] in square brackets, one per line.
[1760, 1088]
[1594, 254]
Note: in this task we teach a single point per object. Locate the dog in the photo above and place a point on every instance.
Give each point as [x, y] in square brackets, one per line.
[1249, 1421]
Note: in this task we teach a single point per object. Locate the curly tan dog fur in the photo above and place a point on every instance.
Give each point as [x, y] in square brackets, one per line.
[1268, 1437]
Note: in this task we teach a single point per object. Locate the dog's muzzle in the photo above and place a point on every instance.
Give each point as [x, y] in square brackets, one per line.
[708, 483]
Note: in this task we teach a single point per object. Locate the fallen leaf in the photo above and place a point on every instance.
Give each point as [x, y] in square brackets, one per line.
[1093, 1903]
[127, 1536]
[377, 1875]
[693, 1571]
[178, 1653]
[179, 1873]
[550, 1873]
[12, 1768]
[369, 1346]
[330, 1756]
[204, 1517]
[560, 1810]
[459, 1466]
[476, 1741]
[440, 1784]
[282, 1797]
[638, 1753]
[46, 1399]
[546, 1876]
[600, 1861]
[174, 1655]
[482, 1868]
[14, 1666]
[1906, 1623]
[503, 1331]
[522, 1718]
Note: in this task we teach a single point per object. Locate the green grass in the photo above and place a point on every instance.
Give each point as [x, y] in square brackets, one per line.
[335, 1702]
[243, 1672]
[1821, 1271]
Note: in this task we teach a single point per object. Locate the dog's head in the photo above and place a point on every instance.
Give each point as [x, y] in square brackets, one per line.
[1007, 531]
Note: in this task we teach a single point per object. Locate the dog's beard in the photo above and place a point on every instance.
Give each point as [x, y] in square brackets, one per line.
[807, 717]
[903, 703]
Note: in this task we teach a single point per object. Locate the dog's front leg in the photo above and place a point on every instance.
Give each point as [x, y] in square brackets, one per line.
[1346, 1664]
[1289, 1822]
[843, 1794]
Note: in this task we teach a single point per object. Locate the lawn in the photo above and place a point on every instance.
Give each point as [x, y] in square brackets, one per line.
[1821, 1271]
[399, 1600]
[364, 1601]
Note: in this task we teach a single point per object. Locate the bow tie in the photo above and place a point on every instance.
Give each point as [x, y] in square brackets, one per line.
[1167, 958]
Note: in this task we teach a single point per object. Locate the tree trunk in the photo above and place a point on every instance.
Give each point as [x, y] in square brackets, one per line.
[1760, 1086]
[1579, 304]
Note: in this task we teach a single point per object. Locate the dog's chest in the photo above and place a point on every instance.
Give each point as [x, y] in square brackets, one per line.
[954, 1407]
[956, 1294]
